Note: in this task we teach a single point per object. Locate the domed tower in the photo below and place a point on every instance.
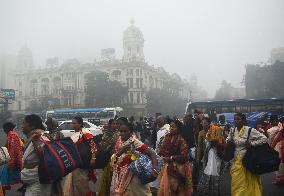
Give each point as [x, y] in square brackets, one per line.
[25, 58]
[133, 43]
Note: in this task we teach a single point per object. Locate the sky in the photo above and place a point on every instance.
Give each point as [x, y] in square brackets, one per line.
[212, 39]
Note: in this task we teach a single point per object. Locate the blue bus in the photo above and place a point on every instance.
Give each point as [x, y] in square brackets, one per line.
[94, 115]
[255, 109]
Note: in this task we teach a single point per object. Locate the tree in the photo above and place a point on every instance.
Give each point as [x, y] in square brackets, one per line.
[160, 100]
[265, 81]
[225, 91]
[102, 92]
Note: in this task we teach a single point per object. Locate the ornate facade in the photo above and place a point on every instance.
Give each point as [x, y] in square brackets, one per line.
[65, 85]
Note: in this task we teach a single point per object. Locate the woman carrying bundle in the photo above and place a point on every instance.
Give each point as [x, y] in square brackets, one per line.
[244, 183]
[34, 130]
[124, 182]
[77, 182]
[213, 141]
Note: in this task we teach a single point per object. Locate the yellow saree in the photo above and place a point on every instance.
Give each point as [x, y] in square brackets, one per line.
[244, 183]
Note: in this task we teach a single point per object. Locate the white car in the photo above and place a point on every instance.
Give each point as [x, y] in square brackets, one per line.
[66, 129]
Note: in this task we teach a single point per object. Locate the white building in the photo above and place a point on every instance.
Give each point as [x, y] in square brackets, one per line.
[65, 85]
[277, 54]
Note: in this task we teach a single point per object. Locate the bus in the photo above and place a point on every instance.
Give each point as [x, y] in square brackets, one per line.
[255, 109]
[96, 116]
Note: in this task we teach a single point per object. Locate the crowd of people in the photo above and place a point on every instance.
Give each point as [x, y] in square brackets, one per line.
[191, 149]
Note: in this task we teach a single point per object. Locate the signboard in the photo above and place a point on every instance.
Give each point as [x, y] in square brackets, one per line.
[7, 94]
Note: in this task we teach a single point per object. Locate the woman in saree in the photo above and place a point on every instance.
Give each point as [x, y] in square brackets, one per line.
[175, 177]
[34, 130]
[108, 141]
[244, 183]
[276, 141]
[210, 178]
[124, 182]
[77, 182]
[14, 166]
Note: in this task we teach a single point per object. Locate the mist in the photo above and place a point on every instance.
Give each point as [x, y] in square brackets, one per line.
[212, 39]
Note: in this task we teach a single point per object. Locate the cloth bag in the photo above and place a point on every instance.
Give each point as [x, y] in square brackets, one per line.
[57, 159]
[4, 156]
[213, 164]
[142, 167]
[261, 159]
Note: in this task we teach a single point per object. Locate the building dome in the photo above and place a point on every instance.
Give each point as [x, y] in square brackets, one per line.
[25, 51]
[25, 58]
[132, 32]
[133, 44]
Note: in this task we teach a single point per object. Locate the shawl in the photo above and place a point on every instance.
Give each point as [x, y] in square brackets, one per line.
[15, 149]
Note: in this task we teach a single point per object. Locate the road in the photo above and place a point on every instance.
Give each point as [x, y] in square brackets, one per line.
[269, 189]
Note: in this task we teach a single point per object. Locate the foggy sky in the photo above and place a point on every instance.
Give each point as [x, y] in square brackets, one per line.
[212, 38]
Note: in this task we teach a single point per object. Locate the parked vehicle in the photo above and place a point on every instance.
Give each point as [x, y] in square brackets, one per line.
[66, 129]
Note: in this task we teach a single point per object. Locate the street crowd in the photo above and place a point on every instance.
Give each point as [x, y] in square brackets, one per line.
[154, 156]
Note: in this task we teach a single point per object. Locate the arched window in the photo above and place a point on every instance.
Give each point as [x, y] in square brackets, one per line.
[34, 85]
[45, 86]
[56, 85]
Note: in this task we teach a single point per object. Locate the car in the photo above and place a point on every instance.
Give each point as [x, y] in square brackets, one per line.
[66, 129]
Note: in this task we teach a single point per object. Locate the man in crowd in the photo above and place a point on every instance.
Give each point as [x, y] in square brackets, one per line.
[187, 130]
[224, 126]
[154, 132]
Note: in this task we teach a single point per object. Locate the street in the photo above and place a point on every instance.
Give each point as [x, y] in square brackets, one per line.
[269, 189]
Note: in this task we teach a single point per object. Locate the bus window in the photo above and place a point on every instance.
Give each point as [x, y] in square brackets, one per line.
[110, 114]
[104, 114]
[258, 108]
[244, 108]
[228, 109]
[86, 125]
[274, 108]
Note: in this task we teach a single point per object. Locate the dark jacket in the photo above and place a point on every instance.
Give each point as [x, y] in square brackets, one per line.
[188, 134]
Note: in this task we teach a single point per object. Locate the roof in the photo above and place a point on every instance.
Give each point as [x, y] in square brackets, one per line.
[255, 101]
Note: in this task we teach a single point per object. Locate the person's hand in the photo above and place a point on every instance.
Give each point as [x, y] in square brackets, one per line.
[124, 149]
[36, 135]
[155, 173]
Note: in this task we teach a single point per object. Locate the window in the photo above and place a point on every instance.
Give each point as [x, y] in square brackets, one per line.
[66, 126]
[86, 125]
[131, 82]
[141, 82]
[137, 82]
[137, 72]
[138, 98]
[20, 105]
[131, 72]
[131, 97]
[156, 82]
